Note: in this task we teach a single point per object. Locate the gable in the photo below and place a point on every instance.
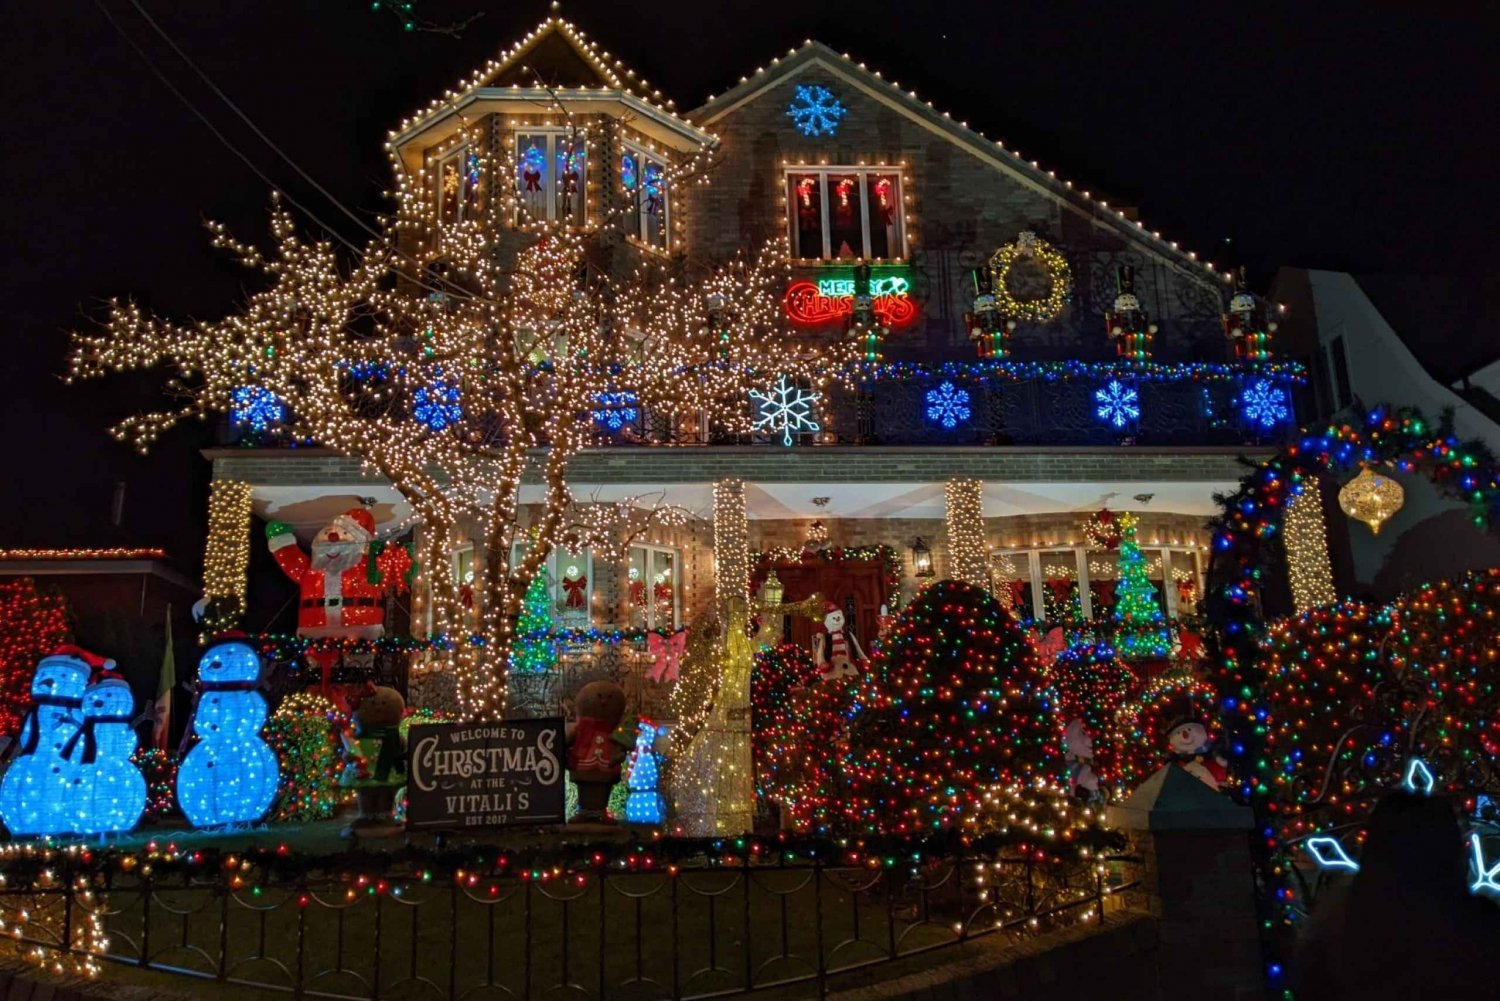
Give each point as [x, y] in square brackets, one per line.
[856, 85]
[551, 61]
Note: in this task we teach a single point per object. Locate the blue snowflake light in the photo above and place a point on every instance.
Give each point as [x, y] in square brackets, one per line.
[948, 405]
[615, 410]
[437, 405]
[786, 408]
[256, 408]
[1118, 404]
[1264, 404]
[815, 110]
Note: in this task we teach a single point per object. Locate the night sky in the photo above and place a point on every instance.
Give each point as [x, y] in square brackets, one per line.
[1356, 137]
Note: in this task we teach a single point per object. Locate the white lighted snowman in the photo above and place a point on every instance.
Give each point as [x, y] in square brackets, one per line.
[109, 790]
[34, 792]
[230, 775]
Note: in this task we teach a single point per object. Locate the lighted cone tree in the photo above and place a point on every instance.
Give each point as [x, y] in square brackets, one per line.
[957, 707]
[1142, 628]
[454, 369]
[535, 650]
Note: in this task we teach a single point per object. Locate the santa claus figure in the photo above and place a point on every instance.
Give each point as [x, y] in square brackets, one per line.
[337, 598]
[1192, 750]
[836, 652]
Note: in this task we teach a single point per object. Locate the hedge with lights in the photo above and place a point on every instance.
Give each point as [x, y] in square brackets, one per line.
[956, 706]
[33, 623]
[1091, 683]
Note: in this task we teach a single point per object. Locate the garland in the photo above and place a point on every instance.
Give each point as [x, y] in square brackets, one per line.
[761, 561]
[1009, 370]
[248, 867]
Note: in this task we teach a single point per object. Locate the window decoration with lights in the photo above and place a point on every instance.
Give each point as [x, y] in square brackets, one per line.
[552, 174]
[846, 213]
[643, 178]
[457, 186]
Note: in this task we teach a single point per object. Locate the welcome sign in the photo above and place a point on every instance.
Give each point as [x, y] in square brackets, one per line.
[484, 775]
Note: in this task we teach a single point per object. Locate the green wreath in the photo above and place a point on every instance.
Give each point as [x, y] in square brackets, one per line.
[1059, 276]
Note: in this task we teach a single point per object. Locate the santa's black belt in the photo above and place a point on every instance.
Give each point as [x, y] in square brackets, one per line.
[338, 602]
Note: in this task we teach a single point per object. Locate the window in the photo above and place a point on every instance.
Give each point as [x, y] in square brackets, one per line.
[457, 186]
[644, 178]
[655, 587]
[844, 213]
[551, 175]
[569, 582]
[1341, 372]
[1049, 584]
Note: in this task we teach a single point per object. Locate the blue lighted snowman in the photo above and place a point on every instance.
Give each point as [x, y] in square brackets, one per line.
[34, 794]
[109, 792]
[230, 775]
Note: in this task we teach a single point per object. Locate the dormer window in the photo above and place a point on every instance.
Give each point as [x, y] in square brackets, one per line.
[457, 186]
[644, 178]
[551, 175]
[845, 213]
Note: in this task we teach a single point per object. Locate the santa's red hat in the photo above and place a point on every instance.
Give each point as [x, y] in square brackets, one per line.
[356, 524]
[829, 606]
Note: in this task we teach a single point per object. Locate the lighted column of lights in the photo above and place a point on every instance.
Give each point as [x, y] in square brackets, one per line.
[1308, 565]
[226, 557]
[731, 543]
[967, 560]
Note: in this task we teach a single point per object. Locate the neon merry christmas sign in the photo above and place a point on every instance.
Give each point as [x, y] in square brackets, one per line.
[814, 303]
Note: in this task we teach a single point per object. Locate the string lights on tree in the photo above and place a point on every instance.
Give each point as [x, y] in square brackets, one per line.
[33, 623]
[226, 558]
[1308, 566]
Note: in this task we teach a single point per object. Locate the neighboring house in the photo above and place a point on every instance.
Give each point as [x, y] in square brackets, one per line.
[1086, 410]
[119, 600]
[1407, 340]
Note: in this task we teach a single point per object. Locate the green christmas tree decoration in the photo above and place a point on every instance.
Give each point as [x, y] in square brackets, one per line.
[535, 651]
[1142, 628]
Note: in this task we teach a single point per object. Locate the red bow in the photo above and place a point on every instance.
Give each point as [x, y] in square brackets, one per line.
[666, 653]
[575, 588]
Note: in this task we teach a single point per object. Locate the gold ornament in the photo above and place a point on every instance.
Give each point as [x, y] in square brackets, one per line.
[1031, 247]
[1371, 498]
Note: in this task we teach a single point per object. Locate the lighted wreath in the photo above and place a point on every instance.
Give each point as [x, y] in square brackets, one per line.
[1030, 247]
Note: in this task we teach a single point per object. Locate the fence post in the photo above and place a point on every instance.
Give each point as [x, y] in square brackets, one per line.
[818, 924]
[1196, 879]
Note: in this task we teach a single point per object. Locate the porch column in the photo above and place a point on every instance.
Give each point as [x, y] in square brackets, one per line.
[966, 554]
[731, 544]
[226, 554]
[1308, 566]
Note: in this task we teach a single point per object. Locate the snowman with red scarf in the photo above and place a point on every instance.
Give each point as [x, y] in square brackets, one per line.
[836, 652]
[337, 598]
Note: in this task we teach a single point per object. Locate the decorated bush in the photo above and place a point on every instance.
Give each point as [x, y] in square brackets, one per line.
[303, 732]
[160, 770]
[1142, 724]
[1091, 684]
[1353, 691]
[956, 705]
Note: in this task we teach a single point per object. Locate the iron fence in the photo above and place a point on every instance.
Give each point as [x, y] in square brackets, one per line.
[698, 932]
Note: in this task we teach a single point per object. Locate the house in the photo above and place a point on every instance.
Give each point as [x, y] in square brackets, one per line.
[1036, 354]
[1411, 340]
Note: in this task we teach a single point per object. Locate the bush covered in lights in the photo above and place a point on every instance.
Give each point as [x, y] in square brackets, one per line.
[1142, 724]
[957, 707]
[1090, 683]
[302, 733]
[1353, 690]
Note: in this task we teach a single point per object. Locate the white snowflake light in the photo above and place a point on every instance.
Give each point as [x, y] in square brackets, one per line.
[816, 111]
[1264, 404]
[1118, 404]
[785, 408]
[948, 405]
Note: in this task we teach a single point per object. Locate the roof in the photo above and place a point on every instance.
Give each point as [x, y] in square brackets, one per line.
[995, 152]
[1450, 322]
[576, 62]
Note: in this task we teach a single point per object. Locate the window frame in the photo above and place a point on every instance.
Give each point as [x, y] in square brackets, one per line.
[865, 174]
[469, 190]
[649, 607]
[643, 156]
[1028, 559]
[554, 578]
[552, 134]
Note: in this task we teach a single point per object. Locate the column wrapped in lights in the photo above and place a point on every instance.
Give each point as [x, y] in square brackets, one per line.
[1308, 565]
[731, 544]
[967, 560]
[226, 557]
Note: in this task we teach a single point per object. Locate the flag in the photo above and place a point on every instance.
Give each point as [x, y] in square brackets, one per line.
[165, 682]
